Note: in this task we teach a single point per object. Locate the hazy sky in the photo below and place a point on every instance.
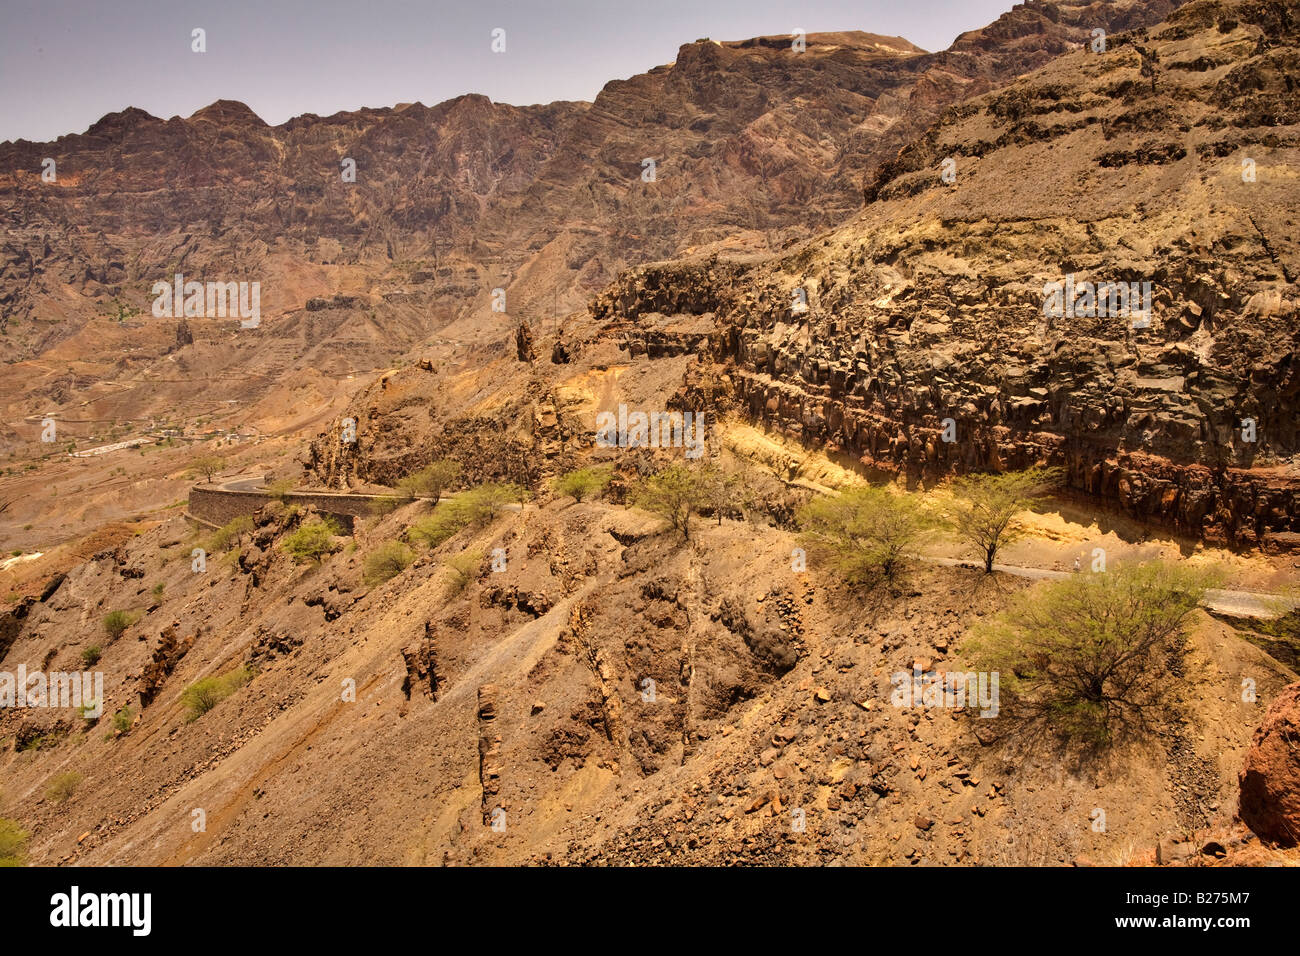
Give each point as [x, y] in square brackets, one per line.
[65, 63]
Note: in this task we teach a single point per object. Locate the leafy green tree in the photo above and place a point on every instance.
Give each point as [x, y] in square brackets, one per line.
[1093, 653]
[584, 482]
[867, 533]
[312, 540]
[985, 507]
[431, 480]
[209, 466]
[676, 493]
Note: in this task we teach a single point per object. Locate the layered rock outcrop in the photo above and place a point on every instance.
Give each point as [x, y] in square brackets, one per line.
[920, 339]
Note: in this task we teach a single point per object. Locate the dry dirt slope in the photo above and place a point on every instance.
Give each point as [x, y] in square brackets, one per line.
[771, 695]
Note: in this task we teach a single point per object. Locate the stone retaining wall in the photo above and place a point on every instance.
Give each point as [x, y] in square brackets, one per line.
[219, 506]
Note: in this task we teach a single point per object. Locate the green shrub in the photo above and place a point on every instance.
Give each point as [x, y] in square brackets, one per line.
[865, 533]
[431, 480]
[312, 540]
[477, 506]
[436, 528]
[205, 693]
[122, 719]
[63, 786]
[386, 562]
[158, 590]
[386, 504]
[228, 533]
[13, 843]
[584, 482]
[44, 741]
[91, 655]
[116, 623]
[1094, 653]
[463, 567]
[279, 490]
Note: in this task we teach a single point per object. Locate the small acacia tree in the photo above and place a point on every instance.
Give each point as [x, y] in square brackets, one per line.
[722, 490]
[431, 480]
[208, 466]
[584, 482]
[867, 533]
[675, 493]
[986, 506]
[484, 502]
[1093, 653]
[229, 533]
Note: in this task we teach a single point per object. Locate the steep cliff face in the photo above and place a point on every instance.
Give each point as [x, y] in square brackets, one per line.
[926, 345]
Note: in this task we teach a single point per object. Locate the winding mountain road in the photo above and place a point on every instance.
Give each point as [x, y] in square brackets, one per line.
[1223, 601]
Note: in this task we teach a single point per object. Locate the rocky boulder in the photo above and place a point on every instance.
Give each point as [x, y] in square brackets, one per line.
[1270, 780]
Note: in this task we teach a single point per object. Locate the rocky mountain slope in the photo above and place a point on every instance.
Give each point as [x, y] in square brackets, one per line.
[912, 340]
[928, 345]
[609, 693]
[755, 145]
